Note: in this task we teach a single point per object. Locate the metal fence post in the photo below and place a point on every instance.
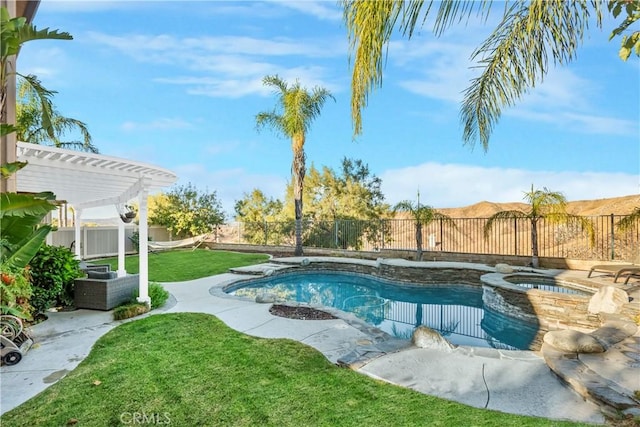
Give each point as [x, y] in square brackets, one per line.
[613, 252]
[515, 236]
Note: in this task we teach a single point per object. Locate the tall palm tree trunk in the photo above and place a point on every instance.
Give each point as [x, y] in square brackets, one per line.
[419, 241]
[298, 172]
[534, 243]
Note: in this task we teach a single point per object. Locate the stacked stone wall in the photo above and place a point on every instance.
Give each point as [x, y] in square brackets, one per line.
[551, 310]
[489, 259]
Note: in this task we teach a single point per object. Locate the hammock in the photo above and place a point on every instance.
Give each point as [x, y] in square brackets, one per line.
[175, 244]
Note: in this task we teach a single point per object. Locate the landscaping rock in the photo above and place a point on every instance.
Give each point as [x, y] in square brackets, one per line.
[608, 299]
[425, 337]
[266, 298]
[504, 268]
[573, 341]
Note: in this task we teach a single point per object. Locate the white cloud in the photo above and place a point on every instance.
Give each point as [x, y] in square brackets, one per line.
[89, 6]
[443, 67]
[145, 48]
[228, 66]
[456, 185]
[583, 123]
[46, 63]
[319, 9]
[249, 82]
[229, 88]
[159, 124]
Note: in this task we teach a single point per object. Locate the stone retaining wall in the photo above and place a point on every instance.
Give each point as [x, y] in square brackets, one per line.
[551, 310]
[489, 259]
[428, 275]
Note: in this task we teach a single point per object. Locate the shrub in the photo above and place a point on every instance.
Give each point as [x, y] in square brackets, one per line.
[135, 239]
[53, 271]
[157, 294]
[129, 310]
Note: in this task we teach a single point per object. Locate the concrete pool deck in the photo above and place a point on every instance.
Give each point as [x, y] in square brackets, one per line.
[510, 381]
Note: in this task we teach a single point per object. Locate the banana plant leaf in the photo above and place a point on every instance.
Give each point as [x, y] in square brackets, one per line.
[21, 213]
[25, 253]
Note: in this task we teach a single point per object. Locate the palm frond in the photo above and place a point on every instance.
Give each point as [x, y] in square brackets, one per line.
[269, 119]
[403, 206]
[502, 216]
[369, 26]
[516, 56]
[16, 31]
[43, 96]
[629, 221]
[453, 12]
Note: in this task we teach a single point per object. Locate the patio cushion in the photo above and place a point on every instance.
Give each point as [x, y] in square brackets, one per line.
[101, 274]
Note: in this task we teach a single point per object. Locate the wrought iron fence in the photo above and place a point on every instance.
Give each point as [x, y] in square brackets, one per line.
[463, 235]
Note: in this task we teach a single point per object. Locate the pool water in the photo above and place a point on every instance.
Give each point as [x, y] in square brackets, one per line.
[456, 311]
[546, 286]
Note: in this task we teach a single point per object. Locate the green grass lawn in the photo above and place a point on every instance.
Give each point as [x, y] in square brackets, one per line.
[189, 369]
[186, 264]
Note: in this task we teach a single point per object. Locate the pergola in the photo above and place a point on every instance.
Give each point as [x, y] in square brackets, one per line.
[87, 180]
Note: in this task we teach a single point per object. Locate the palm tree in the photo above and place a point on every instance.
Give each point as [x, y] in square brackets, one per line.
[423, 215]
[15, 32]
[544, 204]
[513, 58]
[295, 110]
[30, 127]
[628, 221]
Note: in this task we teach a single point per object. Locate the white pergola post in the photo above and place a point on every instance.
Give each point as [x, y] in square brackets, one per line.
[143, 247]
[76, 226]
[121, 245]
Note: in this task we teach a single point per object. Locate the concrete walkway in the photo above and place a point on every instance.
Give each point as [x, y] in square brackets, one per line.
[517, 382]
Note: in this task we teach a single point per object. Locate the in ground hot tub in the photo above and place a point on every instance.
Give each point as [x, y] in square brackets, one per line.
[552, 302]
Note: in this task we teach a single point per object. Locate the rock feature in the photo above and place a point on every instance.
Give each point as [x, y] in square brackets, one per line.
[266, 298]
[504, 268]
[573, 341]
[424, 337]
[608, 299]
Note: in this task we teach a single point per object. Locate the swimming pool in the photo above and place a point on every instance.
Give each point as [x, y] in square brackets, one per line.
[456, 311]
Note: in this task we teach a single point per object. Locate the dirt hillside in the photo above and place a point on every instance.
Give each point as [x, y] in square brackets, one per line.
[617, 206]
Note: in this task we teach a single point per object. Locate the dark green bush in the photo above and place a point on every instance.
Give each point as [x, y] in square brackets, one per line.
[53, 270]
[135, 239]
[158, 295]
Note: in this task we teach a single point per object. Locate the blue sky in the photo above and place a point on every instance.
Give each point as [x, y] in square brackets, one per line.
[178, 85]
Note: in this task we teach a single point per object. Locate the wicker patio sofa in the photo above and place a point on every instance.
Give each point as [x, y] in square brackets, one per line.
[104, 291]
